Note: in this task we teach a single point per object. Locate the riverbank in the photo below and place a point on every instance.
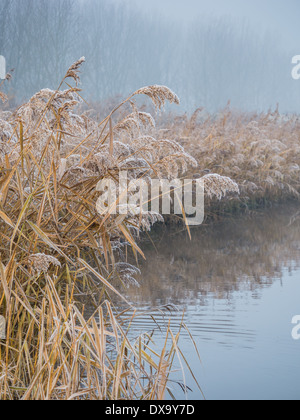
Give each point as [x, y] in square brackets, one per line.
[260, 152]
[59, 247]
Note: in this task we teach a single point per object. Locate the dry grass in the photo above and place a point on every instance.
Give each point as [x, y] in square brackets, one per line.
[56, 249]
[260, 152]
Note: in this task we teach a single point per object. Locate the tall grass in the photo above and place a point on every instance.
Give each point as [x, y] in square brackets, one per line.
[260, 152]
[57, 251]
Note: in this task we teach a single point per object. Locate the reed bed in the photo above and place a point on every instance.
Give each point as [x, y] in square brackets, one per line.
[260, 152]
[58, 251]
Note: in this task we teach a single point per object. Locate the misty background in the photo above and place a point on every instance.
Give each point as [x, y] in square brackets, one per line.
[207, 52]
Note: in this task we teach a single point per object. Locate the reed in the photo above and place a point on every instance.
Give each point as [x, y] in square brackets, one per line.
[260, 152]
[60, 256]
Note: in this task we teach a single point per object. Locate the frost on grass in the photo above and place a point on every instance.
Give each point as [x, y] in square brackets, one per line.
[41, 263]
[58, 142]
[52, 157]
[260, 152]
[127, 273]
[159, 95]
[217, 186]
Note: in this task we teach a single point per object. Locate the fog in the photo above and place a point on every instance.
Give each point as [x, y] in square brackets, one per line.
[207, 52]
[277, 16]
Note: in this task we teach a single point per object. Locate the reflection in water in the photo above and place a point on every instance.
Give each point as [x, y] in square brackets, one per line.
[235, 255]
[238, 284]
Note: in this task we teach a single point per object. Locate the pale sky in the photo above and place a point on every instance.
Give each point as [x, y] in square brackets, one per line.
[280, 16]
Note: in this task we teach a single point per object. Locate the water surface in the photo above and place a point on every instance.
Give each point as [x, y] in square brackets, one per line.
[238, 282]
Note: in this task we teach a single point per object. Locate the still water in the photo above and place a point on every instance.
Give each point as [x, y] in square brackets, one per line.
[238, 282]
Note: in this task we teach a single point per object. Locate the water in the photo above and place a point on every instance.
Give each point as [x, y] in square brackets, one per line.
[239, 284]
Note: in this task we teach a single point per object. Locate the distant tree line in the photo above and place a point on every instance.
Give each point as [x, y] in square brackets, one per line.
[207, 62]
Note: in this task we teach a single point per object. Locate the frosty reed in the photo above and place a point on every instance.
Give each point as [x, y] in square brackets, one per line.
[259, 151]
[63, 258]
